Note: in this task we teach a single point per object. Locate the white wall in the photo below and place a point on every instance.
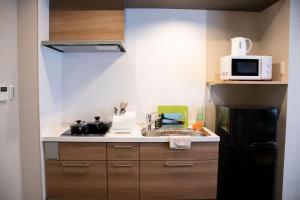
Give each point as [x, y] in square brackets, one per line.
[29, 99]
[164, 64]
[10, 162]
[274, 35]
[274, 40]
[291, 177]
[50, 76]
[50, 80]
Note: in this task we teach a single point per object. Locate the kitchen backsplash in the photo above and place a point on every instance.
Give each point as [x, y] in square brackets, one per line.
[164, 64]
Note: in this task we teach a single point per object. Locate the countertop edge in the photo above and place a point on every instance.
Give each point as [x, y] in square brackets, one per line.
[135, 136]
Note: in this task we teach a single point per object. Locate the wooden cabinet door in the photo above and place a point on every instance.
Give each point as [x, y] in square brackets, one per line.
[161, 151]
[123, 151]
[170, 180]
[123, 180]
[76, 180]
[82, 151]
[86, 20]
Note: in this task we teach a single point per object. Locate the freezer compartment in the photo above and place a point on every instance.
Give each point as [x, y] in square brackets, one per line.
[246, 171]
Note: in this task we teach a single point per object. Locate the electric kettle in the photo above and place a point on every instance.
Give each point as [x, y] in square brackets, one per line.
[239, 46]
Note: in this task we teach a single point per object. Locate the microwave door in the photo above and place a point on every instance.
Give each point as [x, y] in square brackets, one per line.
[245, 69]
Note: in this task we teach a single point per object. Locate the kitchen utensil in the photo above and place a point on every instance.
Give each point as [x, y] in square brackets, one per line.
[116, 110]
[199, 120]
[123, 106]
[125, 121]
[98, 127]
[79, 128]
[198, 125]
[167, 120]
[239, 46]
[183, 110]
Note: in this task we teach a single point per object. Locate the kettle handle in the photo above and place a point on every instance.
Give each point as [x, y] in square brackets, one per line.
[250, 45]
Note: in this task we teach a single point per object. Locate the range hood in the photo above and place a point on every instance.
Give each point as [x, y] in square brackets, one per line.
[86, 46]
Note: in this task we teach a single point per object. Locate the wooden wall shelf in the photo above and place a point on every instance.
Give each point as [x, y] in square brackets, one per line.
[221, 82]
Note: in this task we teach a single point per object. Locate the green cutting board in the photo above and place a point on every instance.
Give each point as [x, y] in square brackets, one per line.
[183, 110]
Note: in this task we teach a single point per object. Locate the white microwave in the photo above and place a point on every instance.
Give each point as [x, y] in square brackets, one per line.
[246, 68]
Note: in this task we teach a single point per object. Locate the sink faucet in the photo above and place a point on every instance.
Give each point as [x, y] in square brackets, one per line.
[149, 120]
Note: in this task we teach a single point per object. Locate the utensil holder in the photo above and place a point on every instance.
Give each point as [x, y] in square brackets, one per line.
[126, 121]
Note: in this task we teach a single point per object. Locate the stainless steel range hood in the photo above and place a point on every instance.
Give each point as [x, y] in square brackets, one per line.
[86, 46]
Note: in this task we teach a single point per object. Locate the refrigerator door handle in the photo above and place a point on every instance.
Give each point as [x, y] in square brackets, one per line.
[252, 145]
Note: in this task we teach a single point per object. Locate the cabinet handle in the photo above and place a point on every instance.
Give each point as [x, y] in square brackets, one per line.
[179, 164]
[123, 165]
[75, 164]
[122, 147]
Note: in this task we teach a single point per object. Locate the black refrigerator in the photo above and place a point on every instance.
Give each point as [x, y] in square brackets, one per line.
[247, 154]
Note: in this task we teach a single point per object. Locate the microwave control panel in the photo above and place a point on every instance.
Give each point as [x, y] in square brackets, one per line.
[266, 71]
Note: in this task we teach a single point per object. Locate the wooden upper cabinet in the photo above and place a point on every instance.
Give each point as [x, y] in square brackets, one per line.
[73, 20]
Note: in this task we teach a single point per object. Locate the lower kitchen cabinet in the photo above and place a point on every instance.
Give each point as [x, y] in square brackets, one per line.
[123, 180]
[77, 180]
[82, 151]
[131, 171]
[170, 180]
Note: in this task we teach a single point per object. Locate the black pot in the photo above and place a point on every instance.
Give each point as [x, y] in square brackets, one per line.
[79, 128]
[98, 127]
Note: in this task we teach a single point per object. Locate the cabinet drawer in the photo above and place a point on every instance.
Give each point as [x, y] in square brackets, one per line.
[123, 180]
[82, 151]
[170, 180]
[78, 180]
[123, 151]
[161, 151]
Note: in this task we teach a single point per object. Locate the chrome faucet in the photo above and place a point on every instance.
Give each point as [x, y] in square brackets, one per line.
[149, 120]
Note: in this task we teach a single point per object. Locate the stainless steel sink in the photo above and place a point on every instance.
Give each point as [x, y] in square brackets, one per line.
[173, 132]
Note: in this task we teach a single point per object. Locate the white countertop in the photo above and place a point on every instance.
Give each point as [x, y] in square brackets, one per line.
[117, 136]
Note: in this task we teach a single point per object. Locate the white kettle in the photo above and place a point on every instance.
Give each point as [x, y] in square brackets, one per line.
[239, 46]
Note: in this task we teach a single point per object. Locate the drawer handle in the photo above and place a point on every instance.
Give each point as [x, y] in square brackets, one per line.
[123, 165]
[75, 164]
[122, 147]
[179, 164]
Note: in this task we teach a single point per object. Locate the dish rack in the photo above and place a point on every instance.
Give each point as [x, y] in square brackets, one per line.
[124, 122]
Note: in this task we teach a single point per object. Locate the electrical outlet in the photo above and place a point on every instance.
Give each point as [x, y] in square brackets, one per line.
[282, 68]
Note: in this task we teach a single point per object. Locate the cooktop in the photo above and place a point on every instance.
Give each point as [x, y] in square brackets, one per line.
[68, 134]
